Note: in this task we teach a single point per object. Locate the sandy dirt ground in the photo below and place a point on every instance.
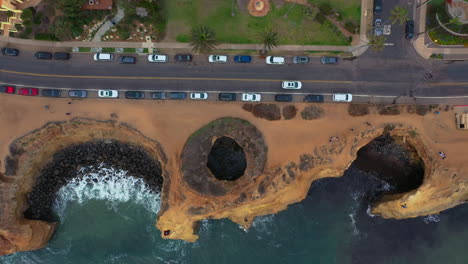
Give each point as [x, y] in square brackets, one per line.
[171, 123]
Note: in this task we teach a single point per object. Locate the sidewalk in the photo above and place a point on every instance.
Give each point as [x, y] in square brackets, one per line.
[420, 44]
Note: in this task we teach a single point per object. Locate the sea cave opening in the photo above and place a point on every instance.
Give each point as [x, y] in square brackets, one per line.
[91, 167]
[226, 160]
[393, 160]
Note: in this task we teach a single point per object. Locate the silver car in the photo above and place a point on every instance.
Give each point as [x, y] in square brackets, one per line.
[78, 93]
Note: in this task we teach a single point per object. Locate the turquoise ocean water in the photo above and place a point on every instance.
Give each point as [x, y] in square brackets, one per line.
[113, 222]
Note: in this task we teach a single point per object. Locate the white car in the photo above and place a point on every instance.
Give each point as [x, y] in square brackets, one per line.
[199, 96]
[274, 60]
[338, 97]
[108, 93]
[291, 85]
[218, 58]
[251, 97]
[157, 58]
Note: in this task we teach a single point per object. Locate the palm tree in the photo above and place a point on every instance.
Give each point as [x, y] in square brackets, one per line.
[399, 14]
[270, 40]
[203, 39]
[377, 43]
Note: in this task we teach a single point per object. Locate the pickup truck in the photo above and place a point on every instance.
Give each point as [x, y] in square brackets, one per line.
[243, 59]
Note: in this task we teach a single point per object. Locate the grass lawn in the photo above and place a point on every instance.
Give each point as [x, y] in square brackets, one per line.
[349, 9]
[297, 28]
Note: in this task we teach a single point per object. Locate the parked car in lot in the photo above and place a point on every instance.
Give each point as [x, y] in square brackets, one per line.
[29, 91]
[199, 96]
[409, 32]
[103, 57]
[339, 97]
[329, 60]
[158, 95]
[183, 57]
[61, 56]
[251, 97]
[242, 59]
[275, 60]
[227, 97]
[78, 93]
[51, 93]
[177, 95]
[300, 59]
[9, 51]
[218, 58]
[283, 98]
[378, 29]
[7, 89]
[108, 93]
[291, 85]
[43, 55]
[158, 58]
[377, 6]
[127, 60]
[134, 95]
[313, 98]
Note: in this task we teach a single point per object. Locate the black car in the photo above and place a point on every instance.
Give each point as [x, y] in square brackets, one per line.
[158, 95]
[409, 29]
[313, 98]
[43, 55]
[134, 95]
[61, 56]
[51, 93]
[183, 57]
[329, 60]
[10, 52]
[127, 60]
[177, 95]
[377, 6]
[227, 97]
[300, 59]
[283, 97]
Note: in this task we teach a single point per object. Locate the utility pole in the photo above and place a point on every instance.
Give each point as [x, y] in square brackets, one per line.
[418, 6]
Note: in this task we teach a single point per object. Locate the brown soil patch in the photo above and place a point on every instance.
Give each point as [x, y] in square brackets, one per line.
[289, 112]
[312, 112]
[389, 109]
[358, 109]
[269, 112]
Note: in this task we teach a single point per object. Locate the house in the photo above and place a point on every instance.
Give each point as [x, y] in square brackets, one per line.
[461, 120]
[10, 15]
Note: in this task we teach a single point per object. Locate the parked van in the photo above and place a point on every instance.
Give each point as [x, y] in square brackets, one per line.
[103, 57]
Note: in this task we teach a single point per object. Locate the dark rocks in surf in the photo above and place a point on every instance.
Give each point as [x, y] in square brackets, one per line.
[67, 162]
[227, 159]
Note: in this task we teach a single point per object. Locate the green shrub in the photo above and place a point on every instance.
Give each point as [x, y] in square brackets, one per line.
[84, 49]
[320, 18]
[46, 36]
[129, 50]
[326, 8]
[183, 38]
[351, 27]
[108, 49]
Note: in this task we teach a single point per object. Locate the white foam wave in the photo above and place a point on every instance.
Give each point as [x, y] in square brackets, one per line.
[263, 223]
[369, 210]
[353, 224]
[431, 219]
[106, 183]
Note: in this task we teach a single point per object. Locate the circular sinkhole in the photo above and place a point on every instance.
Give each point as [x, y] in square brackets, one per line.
[226, 160]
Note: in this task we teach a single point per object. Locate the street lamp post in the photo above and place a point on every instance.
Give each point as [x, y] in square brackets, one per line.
[418, 6]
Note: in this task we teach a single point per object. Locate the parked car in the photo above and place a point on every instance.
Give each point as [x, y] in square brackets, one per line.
[377, 6]
[10, 52]
[158, 95]
[275, 60]
[61, 56]
[183, 57]
[300, 59]
[78, 93]
[378, 29]
[177, 95]
[329, 60]
[218, 58]
[339, 97]
[312, 98]
[158, 58]
[7, 89]
[108, 93]
[103, 57]
[283, 97]
[29, 91]
[134, 95]
[51, 93]
[227, 97]
[409, 29]
[251, 97]
[291, 85]
[242, 59]
[199, 96]
[127, 60]
[43, 55]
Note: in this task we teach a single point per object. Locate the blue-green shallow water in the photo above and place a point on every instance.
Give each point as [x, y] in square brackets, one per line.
[330, 226]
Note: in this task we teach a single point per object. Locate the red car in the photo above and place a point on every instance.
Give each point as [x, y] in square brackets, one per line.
[29, 91]
[7, 89]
